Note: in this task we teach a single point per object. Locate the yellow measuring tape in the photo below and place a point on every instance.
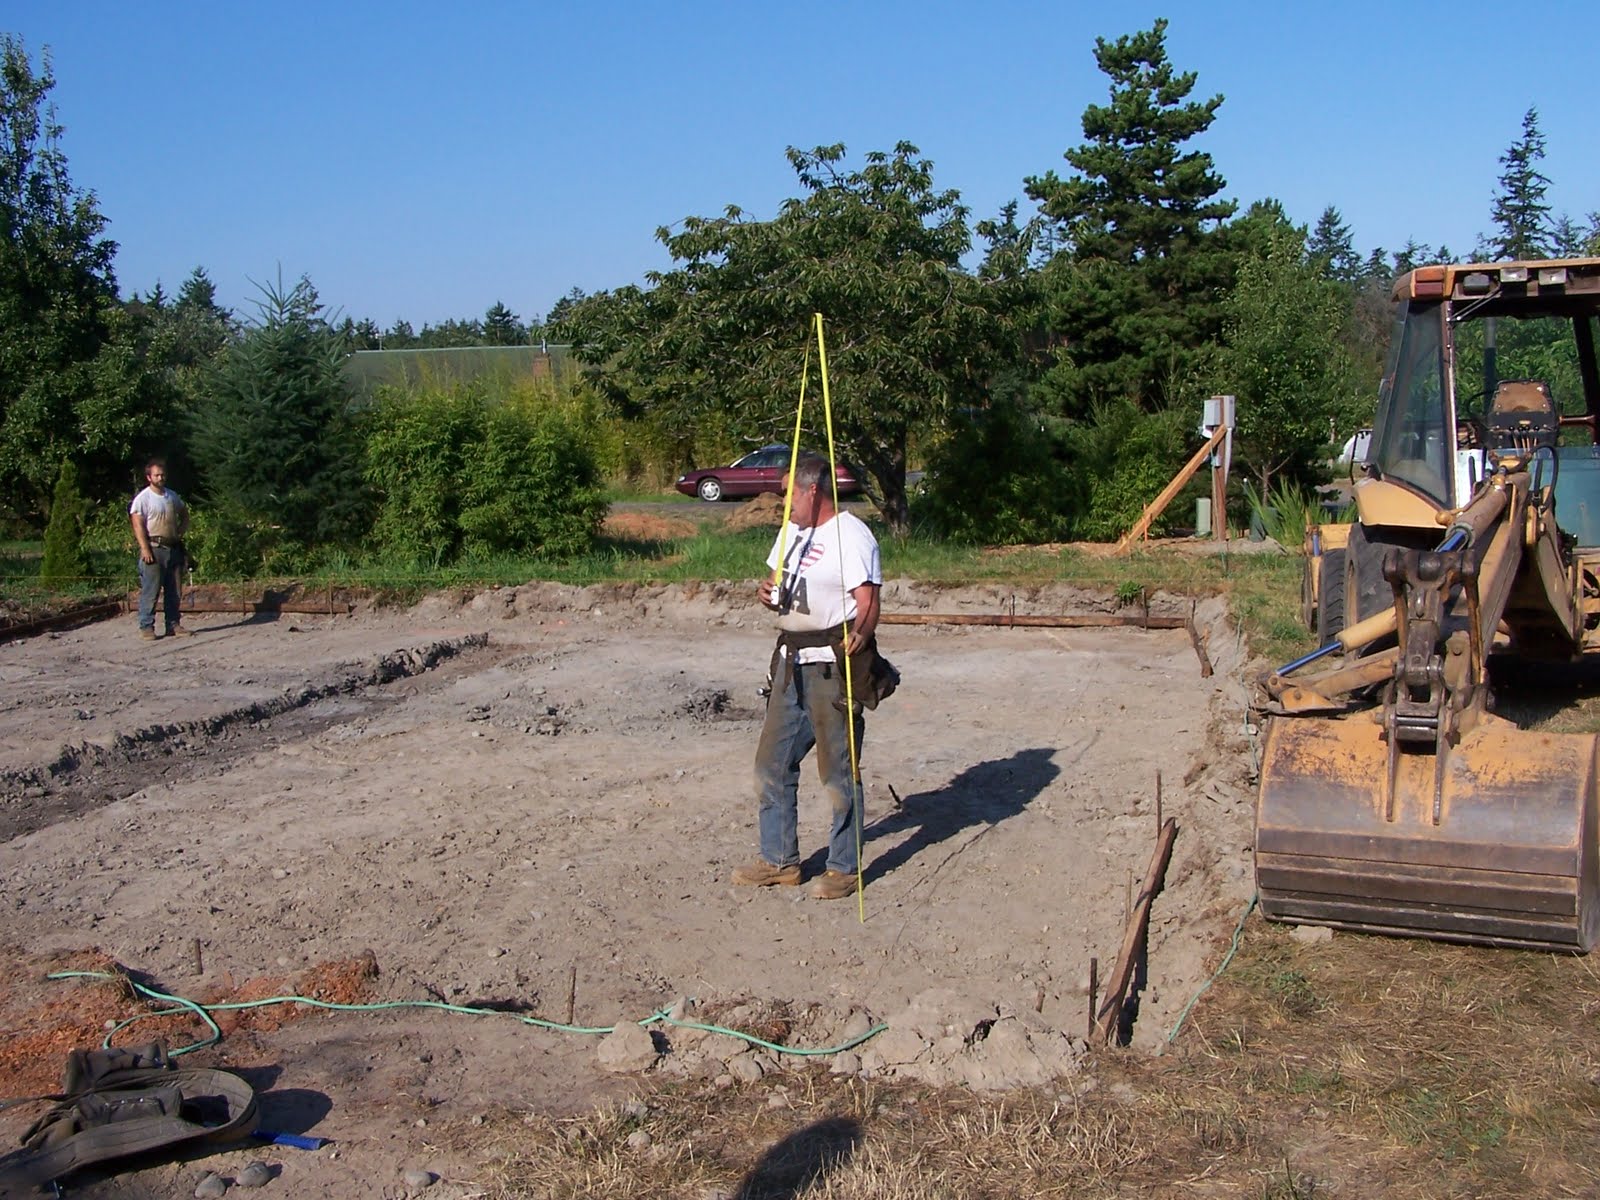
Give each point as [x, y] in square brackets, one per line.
[857, 799]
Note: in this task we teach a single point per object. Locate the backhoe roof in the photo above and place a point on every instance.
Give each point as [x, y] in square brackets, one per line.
[1575, 279]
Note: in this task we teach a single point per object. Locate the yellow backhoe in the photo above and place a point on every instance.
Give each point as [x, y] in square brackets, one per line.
[1392, 799]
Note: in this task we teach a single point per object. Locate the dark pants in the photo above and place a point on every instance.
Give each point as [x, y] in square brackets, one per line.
[162, 576]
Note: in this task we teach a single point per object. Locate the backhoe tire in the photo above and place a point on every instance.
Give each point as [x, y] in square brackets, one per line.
[1330, 596]
[1366, 591]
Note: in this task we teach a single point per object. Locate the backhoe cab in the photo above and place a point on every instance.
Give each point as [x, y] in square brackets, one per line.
[1391, 798]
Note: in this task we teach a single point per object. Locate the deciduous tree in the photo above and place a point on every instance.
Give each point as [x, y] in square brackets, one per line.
[68, 385]
[877, 251]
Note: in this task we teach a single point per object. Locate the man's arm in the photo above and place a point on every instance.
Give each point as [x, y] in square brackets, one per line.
[142, 536]
[866, 622]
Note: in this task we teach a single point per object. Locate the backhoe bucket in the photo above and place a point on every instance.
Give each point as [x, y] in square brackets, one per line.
[1511, 860]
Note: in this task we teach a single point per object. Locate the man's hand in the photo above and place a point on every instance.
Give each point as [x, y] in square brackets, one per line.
[866, 622]
[147, 556]
[769, 596]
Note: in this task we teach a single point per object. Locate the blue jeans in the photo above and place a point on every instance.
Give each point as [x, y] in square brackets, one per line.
[801, 715]
[161, 576]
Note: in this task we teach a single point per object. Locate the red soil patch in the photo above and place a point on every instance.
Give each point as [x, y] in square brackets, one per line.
[42, 1020]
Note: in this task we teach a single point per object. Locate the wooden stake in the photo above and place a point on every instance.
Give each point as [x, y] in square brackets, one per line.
[572, 994]
[199, 960]
[1094, 985]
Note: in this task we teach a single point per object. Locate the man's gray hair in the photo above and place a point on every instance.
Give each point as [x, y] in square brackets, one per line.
[809, 471]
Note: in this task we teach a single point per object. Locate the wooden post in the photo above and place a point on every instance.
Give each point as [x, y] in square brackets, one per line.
[1141, 527]
[1109, 1016]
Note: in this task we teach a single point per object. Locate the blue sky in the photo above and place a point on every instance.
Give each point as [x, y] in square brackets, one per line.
[422, 162]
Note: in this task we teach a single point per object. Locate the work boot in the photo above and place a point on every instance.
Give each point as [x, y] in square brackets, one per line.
[148, 635]
[833, 885]
[179, 631]
[763, 874]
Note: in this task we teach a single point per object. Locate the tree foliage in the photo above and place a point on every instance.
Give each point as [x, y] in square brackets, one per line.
[64, 562]
[275, 436]
[1284, 357]
[1522, 225]
[876, 250]
[72, 380]
[1132, 292]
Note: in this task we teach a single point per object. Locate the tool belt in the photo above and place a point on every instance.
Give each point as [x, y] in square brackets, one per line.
[873, 678]
[167, 543]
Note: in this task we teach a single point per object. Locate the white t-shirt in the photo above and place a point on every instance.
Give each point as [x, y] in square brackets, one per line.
[163, 513]
[815, 590]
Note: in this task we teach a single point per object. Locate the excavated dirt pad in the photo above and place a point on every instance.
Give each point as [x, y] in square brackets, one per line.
[531, 799]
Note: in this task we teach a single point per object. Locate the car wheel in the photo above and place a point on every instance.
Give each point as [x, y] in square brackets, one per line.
[710, 490]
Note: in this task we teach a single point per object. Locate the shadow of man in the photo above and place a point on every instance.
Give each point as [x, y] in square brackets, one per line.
[983, 794]
[792, 1165]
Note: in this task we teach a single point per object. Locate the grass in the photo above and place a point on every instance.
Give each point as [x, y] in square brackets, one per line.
[1263, 588]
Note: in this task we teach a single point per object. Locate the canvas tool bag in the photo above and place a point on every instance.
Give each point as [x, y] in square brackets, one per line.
[120, 1102]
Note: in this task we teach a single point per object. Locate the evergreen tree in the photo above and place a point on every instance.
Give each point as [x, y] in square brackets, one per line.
[1133, 292]
[1522, 227]
[274, 437]
[64, 562]
[502, 327]
[562, 309]
[399, 336]
[1331, 250]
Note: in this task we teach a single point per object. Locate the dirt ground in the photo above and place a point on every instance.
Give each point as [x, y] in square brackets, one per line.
[531, 798]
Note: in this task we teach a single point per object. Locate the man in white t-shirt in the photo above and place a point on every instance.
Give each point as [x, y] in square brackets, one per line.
[160, 519]
[830, 578]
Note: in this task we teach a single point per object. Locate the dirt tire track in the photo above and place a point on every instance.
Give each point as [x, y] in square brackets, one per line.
[87, 775]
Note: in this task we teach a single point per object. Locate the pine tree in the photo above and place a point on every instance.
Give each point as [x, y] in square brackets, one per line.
[1522, 228]
[502, 327]
[1132, 292]
[274, 437]
[1331, 250]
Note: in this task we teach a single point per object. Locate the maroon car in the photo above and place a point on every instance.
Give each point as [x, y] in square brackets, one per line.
[763, 470]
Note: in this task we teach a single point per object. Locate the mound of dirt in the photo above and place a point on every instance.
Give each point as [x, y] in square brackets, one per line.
[759, 512]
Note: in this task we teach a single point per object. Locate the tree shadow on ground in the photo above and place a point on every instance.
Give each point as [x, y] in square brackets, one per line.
[983, 794]
[792, 1165]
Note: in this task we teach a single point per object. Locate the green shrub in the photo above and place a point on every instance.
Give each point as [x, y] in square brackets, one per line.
[227, 541]
[460, 473]
[996, 481]
[531, 487]
[64, 563]
[1122, 457]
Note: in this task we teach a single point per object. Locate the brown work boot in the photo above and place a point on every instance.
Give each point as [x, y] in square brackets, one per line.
[148, 635]
[833, 885]
[763, 874]
[179, 631]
